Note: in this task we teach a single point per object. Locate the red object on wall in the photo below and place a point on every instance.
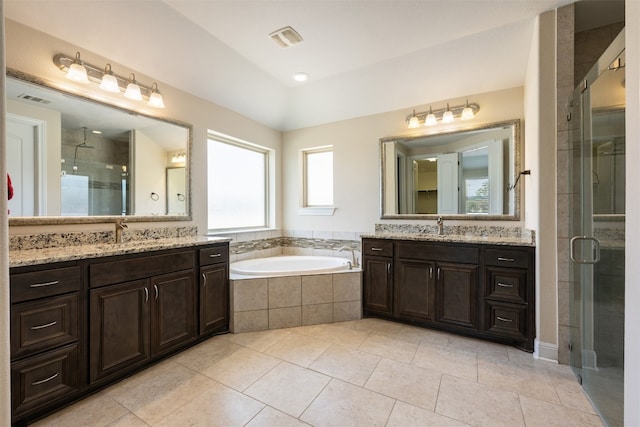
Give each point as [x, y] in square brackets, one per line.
[9, 188]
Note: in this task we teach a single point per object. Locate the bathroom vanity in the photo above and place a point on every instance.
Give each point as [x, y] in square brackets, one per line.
[110, 310]
[481, 289]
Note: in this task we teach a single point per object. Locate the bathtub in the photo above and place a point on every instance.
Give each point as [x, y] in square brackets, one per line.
[290, 266]
[291, 291]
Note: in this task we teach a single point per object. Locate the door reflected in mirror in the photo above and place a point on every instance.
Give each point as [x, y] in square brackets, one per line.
[462, 173]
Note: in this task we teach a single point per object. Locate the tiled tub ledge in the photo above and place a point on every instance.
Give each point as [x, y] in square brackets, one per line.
[259, 304]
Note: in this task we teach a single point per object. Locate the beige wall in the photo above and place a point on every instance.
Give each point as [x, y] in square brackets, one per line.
[356, 166]
[32, 51]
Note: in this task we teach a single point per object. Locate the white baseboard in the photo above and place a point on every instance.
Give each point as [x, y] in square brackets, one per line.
[545, 351]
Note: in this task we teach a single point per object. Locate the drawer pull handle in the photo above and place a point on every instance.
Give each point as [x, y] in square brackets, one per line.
[504, 319]
[46, 380]
[215, 255]
[505, 259]
[46, 325]
[40, 285]
[146, 295]
[376, 249]
[204, 280]
[505, 285]
[155, 288]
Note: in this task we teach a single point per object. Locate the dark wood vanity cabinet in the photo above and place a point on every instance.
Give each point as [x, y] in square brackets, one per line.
[77, 326]
[140, 307]
[46, 336]
[214, 289]
[481, 290]
[377, 292]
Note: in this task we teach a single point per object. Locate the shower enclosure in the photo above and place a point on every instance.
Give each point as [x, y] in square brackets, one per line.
[597, 226]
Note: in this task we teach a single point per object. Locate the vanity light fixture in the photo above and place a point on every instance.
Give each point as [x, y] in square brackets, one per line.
[133, 90]
[155, 99]
[77, 72]
[178, 158]
[445, 115]
[414, 122]
[107, 80]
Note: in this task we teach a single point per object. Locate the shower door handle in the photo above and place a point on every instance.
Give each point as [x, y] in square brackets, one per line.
[596, 248]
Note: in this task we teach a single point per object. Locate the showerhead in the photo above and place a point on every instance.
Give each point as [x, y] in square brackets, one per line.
[84, 140]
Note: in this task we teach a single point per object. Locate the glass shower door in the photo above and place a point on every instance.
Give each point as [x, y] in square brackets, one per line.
[597, 220]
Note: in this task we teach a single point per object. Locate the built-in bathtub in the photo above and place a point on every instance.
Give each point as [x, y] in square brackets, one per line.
[289, 291]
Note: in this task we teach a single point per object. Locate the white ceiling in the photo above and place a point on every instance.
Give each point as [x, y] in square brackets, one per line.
[363, 56]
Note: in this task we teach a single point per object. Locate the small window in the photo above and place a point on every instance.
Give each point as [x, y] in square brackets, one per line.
[318, 177]
[477, 195]
[238, 183]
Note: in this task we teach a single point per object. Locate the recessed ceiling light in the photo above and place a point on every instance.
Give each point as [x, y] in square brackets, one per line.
[300, 77]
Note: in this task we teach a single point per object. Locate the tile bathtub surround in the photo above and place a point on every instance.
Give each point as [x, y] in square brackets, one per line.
[285, 302]
[54, 240]
[336, 374]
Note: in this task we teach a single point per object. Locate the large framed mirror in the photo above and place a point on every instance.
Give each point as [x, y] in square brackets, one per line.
[465, 173]
[72, 159]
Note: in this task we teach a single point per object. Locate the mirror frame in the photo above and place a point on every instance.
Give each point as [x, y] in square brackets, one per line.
[516, 146]
[61, 220]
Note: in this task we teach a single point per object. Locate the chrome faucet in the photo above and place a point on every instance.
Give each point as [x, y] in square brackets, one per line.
[440, 223]
[120, 225]
[353, 256]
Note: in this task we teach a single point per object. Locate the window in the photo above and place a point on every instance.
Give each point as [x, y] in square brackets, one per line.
[477, 196]
[317, 165]
[238, 184]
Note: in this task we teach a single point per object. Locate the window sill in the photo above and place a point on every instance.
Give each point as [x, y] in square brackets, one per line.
[317, 211]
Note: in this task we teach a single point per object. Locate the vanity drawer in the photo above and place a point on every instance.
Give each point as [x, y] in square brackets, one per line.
[45, 283]
[507, 257]
[428, 252]
[377, 247]
[214, 255]
[43, 324]
[509, 284]
[507, 320]
[139, 267]
[42, 379]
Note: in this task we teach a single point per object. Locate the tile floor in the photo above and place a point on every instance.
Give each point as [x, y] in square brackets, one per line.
[361, 373]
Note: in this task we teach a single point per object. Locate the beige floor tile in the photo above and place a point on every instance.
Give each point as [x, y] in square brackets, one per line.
[484, 349]
[309, 330]
[346, 337]
[572, 396]
[299, 349]
[128, 420]
[478, 404]
[259, 341]
[241, 369]
[216, 406]
[458, 363]
[539, 413]
[389, 347]
[270, 417]
[288, 388]
[97, 410]
[343, 404]
[415, 335]
[372, 325]
[346, 364]
[405, 382]
[158, 391]
[524, 380]
[206, 353]
[405, 415]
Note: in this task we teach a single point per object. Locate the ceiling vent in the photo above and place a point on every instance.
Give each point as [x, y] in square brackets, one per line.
[286, 37]
[34, 99]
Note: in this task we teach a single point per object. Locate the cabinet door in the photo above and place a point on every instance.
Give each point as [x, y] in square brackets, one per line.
[415, 290]
[214, 298]
[173, 315]
[119, 328]
[457, 291]
[377, 292]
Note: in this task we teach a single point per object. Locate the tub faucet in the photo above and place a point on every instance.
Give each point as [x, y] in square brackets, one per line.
[120, 225]
[440, 223]
[353, 256]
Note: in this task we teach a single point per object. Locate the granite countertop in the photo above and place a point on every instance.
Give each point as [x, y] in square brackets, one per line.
[455, 238]
[27, 257]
